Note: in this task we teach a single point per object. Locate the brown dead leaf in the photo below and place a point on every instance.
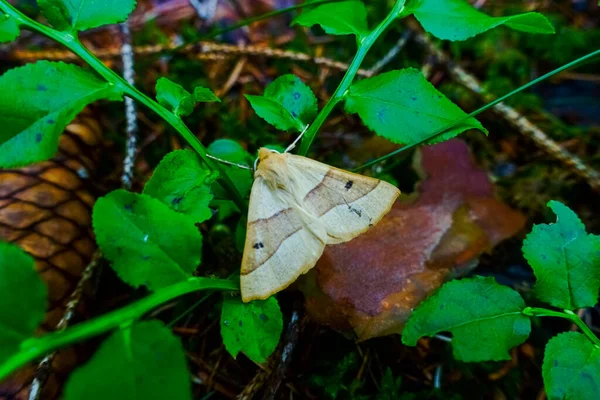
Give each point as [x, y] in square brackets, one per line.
[372, 283]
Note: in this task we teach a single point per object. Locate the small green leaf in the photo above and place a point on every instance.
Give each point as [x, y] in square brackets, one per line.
[343, 18]
[251, 328]
[571, 368]
[9, 29]
[182, 183]
[565, 260]
[404, 107]
[174, 97]
[38, 102]
[143, 361]
[232, 151]
[458, 20]
[484, 318]
[204, 95]
[79, 15]
[390, 387]
[288, 104]
[23, 299]
[147, 242]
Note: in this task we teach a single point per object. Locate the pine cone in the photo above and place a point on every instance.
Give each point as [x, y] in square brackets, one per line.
[46, 210]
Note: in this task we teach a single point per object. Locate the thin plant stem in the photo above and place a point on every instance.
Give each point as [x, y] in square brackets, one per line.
[74, 45]
[363, 48]
[567, 314]
[550, 74]
[34, 348]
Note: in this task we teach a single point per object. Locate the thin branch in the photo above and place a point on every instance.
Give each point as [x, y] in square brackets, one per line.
[130, 108]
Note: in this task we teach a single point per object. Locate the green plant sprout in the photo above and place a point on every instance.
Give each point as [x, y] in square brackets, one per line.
[150, 238]
[487, 319]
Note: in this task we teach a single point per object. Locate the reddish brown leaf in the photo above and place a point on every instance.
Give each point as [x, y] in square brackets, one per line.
[372, 283]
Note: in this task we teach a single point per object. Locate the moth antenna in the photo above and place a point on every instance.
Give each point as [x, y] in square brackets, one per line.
[229, 162]
[295, 142]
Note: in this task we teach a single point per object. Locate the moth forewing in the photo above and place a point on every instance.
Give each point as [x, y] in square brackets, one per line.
[297, 206]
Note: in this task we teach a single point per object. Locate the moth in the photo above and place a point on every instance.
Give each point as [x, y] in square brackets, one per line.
[297, 207]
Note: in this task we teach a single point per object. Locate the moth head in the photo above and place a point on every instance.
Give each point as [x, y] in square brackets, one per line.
[272, 167]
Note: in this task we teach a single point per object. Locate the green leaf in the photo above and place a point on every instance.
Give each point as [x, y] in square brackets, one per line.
[458, 20]
[38, 102]
[79, 15]
[182, 183]
[565, 260]
[404, 107]
[143, 361]
[23, 299]
[251, 328]
[288, 104]
[484, 318]
[174, 97]
[9, 29]
[343, 18]
[147, 242]
[571, 368]
[204, 95]
[232, 151]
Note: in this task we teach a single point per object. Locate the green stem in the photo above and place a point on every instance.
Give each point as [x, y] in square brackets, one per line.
[34, 348]
[567, 314]
[363, 48]
[482, 109]
[74, 45]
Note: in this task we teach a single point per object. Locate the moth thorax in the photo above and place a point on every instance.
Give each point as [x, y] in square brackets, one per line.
[273, 168]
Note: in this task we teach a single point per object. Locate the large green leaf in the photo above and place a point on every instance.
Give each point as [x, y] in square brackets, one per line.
[404, 107]
[565, 260]
[287, 104]
[140, 362]
[147, 242]
[341, 18]
[22, 299]
[251, 328]
[485, 319]
[9, 29]
[37, 102]
[183, 184]
[79, 15]
[571, 368]
[458, 20]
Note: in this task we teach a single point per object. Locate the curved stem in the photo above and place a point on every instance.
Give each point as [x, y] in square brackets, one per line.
[35, 348]
[567, 314]
[339, 94]
[74, 45]
[484, 108]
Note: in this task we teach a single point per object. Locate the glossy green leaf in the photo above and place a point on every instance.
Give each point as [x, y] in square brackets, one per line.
[79, 15]
[287, 104]
[183, 184]
[174, 97]
[204, 95]
[232, 151]
[251, 328]
[404, 107]
[37, 102]
[9, 29]
[484, 317]
[571, 368]
[458, 20]
[341, 18]
[565, 260]
[22, 298]
[147, 242]
[140, 362]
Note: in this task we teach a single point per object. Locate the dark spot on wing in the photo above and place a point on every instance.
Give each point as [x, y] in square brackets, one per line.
[263, 317]
[176, 200]
[294, 114]
[241, 323]
[128, 207]
[296, 95]
[50, 121]
[41, 88]
[381, 115]
[145, 258]
[413, 98]
[38, 137]
[258, 245]
[349, 185]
